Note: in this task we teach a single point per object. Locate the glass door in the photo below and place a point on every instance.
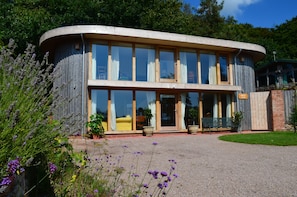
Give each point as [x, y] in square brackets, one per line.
[168, 111]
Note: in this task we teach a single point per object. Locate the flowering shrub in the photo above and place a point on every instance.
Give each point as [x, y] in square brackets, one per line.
[27, 134]
[116, 176]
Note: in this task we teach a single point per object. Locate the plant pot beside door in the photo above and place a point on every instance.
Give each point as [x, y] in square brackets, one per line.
[236, 121]
[193, 114]
[148, 130]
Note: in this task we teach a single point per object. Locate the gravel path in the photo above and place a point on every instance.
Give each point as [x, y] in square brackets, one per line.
[209, 167]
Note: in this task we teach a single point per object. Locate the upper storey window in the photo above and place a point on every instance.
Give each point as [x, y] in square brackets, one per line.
[99, 61]
[188, 67]
[145, 64]
[167, 64]
[208, 69]
[224, 68]
[121, 62]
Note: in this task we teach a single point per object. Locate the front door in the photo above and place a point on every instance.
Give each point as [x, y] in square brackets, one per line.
[168, 111]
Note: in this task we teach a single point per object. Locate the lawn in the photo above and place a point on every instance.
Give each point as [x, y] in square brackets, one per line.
[270, 138]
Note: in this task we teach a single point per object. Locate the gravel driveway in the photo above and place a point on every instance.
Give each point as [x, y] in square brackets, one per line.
[209, 167]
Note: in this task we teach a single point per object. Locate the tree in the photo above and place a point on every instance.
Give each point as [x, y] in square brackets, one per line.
[285, 35]
[208, 14]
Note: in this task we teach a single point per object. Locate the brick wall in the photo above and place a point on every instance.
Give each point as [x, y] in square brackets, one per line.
[277, 110]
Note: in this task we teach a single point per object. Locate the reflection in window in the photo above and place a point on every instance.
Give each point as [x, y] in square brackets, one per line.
[188, 63]
[121, 110]
[208, 69]
[99, 61]
[145, 99]
[167, 64]
[145, 64]
[210, 105]
[226, 105]
[224, 68]
[99, 104]
[188, 101]
[121, 63]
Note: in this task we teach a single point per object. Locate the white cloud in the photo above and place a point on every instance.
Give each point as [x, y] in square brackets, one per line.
[235, 7]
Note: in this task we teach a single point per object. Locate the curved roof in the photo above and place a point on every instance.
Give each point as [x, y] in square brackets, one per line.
[54, 36]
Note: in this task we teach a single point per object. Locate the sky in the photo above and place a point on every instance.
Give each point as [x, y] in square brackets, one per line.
[259, 13]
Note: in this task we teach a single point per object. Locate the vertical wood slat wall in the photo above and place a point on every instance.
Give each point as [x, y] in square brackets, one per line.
[244, 72]
[68, 87]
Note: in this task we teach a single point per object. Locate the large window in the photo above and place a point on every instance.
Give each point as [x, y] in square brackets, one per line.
[188, 64]
[145, 99]
[99, 104]
[167, 63]
[224, 68]
[208, 69]
[121, 62]
[210, 105]
[145, 64]
[99, 61]
[121, 110]
[189, 101]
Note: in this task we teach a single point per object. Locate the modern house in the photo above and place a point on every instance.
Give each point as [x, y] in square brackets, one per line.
[278, 74]
[119, 72]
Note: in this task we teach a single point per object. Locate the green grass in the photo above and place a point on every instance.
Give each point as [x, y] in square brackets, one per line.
[270, 138]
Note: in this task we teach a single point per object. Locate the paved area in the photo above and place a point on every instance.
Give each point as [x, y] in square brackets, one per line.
[209, 167]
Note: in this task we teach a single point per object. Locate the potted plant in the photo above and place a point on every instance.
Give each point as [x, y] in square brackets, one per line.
[95, 125]
[148, 130]
[193, 114]
[236, 121]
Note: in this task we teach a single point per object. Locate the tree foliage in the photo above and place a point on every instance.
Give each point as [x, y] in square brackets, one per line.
[26, 20]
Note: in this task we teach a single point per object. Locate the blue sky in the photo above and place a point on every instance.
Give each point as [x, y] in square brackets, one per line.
[259, 13]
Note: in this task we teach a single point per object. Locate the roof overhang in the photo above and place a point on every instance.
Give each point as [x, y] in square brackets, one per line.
[52, 37]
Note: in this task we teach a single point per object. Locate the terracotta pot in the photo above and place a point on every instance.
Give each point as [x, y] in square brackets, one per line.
[96, 137]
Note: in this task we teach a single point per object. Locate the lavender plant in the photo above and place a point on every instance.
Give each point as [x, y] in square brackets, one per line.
[27, 134]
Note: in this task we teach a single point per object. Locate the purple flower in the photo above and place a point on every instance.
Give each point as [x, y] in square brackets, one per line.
[175, 175]
[52, 167]
[135, 175]
[96, 191]
[145, 185]
[150, 172]
[160, 185]
[168, 178]
[155, 174]
[5, 181]
[165, 184]
[14, 165]
[155, 143]
[164, 173]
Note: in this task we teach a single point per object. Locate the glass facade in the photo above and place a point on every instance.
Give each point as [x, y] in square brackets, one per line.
[99, 61]
[123, 108]
[145, 64]
[208, 69]
[99, 104]
[190, 101]
[145, 99]
[121, 62]
[167, 62]
[224, 68]
[188, 67]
